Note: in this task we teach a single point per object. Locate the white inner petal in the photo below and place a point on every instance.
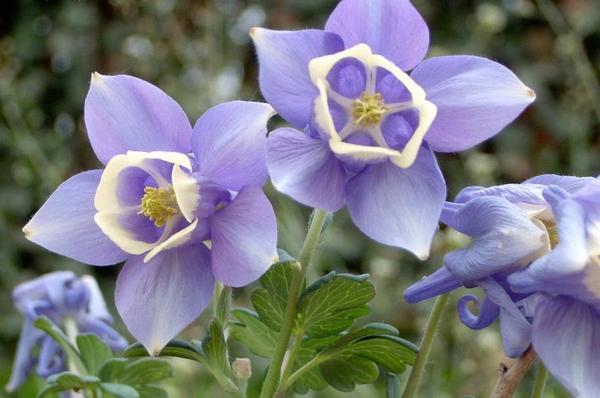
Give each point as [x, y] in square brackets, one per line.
[319, 68]
[111, 211]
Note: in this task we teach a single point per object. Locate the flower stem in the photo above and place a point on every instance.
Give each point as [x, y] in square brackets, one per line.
[509, 379]
[426, 343]
[308, 248]
[540, 382]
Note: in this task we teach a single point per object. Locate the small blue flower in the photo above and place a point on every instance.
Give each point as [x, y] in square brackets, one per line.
[510, 226]
[182, 206]
[365, 131]
[58, 296]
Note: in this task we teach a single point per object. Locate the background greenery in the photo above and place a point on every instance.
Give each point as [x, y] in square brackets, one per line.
[199, 52]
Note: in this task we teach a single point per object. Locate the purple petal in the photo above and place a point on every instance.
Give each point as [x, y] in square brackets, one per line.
[502, 236]
[568, 183]
[283, 74]
[89, 324]
[440, 282]
[305, 169]
[50, 359]
[562, 270]
[475, 99]
[229, 143]
[65, 223]
[566, 336]
[514, 327]
[488, 312]
[392, 28]
[124, 113]
[24, 361]
[159, 298]
[399, 207]
[244, 238]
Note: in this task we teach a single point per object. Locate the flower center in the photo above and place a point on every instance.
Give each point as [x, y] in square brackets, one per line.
[159, 204]
[368, 109]
[552, 229]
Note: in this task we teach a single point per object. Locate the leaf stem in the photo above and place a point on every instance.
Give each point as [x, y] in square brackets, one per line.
[540, 382]
[300, 372]
[308, 248]
[432, 324]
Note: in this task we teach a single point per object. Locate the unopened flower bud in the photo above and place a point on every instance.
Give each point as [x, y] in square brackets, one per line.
[242, 368]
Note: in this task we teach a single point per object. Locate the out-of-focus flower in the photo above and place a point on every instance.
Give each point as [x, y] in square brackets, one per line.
[167, 188]
[371, 129]
[566, 318]
[510, 226]
[59, 296]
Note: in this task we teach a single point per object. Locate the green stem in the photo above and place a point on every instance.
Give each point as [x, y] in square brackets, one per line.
[290, 362]
[300, 372]
[540, 382]
[426, 343]
[308, 248]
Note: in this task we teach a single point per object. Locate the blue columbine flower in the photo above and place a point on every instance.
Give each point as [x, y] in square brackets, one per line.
[510, 226]
[58, 295]
[566, 319]
[168, 193]
[370, 128]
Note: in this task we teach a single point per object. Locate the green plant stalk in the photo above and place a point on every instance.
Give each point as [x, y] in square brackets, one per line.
[432, 324]
[540, 382]
[316, 361]
[291, 358]
[308, 248]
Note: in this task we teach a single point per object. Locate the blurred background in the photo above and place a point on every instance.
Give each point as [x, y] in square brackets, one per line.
[199, 52]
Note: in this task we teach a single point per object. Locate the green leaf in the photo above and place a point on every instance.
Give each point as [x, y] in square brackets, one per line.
[175, 348]
[119, 390]
[94, 353]
[270, 300]
[46, 325]
[214, 348]
[311, 380]
[331, 304]
[253, 333]
[150, 391]
[390, 352]
[145, 371]
[344, 372]
[112, 369]
[66, 381]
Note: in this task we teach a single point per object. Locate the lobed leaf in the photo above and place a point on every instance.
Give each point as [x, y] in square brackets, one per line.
[331, 304]
[66, 381]
[253, 333]
[94, 352]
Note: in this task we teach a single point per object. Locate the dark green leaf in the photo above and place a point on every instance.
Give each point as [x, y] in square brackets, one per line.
[150, 391]
[343, 373]
[145, 371]
[311, 380]
[175, 348]
[66, 381]
[390, 352]
[223, 304]
[119, 390]
[370, 329]
[271, 299]
[214, 348]
[94, 353]
[331, 304]
[46, 325]
[253, 333]
[112, 369]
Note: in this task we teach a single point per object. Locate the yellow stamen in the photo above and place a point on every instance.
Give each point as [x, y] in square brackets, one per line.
[368, 109]
[159, 204]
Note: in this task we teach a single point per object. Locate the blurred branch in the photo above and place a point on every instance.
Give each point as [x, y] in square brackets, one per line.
[573, 43]
[509, 379]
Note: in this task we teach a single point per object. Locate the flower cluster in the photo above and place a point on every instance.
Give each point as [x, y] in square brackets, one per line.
[534, 252]
[183, 206]
[59, 296]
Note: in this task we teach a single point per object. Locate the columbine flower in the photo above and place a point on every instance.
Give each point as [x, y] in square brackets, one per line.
[566, 319]
[166, 189]
[58, 295]
[510, 226]
[371, 128]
